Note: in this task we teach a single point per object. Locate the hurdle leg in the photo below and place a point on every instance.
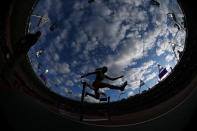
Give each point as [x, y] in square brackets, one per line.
[82, 101]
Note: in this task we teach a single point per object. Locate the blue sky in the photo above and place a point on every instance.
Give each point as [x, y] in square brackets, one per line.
[130, 37]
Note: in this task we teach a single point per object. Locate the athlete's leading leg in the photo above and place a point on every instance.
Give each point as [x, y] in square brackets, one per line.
[106, 85]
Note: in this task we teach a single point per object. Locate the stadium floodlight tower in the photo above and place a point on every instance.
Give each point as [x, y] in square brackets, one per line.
[42, 20]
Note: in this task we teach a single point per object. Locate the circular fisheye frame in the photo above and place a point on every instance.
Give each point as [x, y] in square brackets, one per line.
[99, 54]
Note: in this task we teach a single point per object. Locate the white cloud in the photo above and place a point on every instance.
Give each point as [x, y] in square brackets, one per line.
[91, 99]
[169, 58]
[163, 46]
[56, 57]
[111, 34]
[130, 93]
[69, 83]
[74, 63]
[133, 75]
[150, 76]
[147, 64]
[62, 68]
[64, 90]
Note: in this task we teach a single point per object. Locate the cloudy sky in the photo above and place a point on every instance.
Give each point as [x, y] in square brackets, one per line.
[130, 37]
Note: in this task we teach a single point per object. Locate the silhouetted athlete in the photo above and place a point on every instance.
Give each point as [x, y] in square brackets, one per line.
[100, 76]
